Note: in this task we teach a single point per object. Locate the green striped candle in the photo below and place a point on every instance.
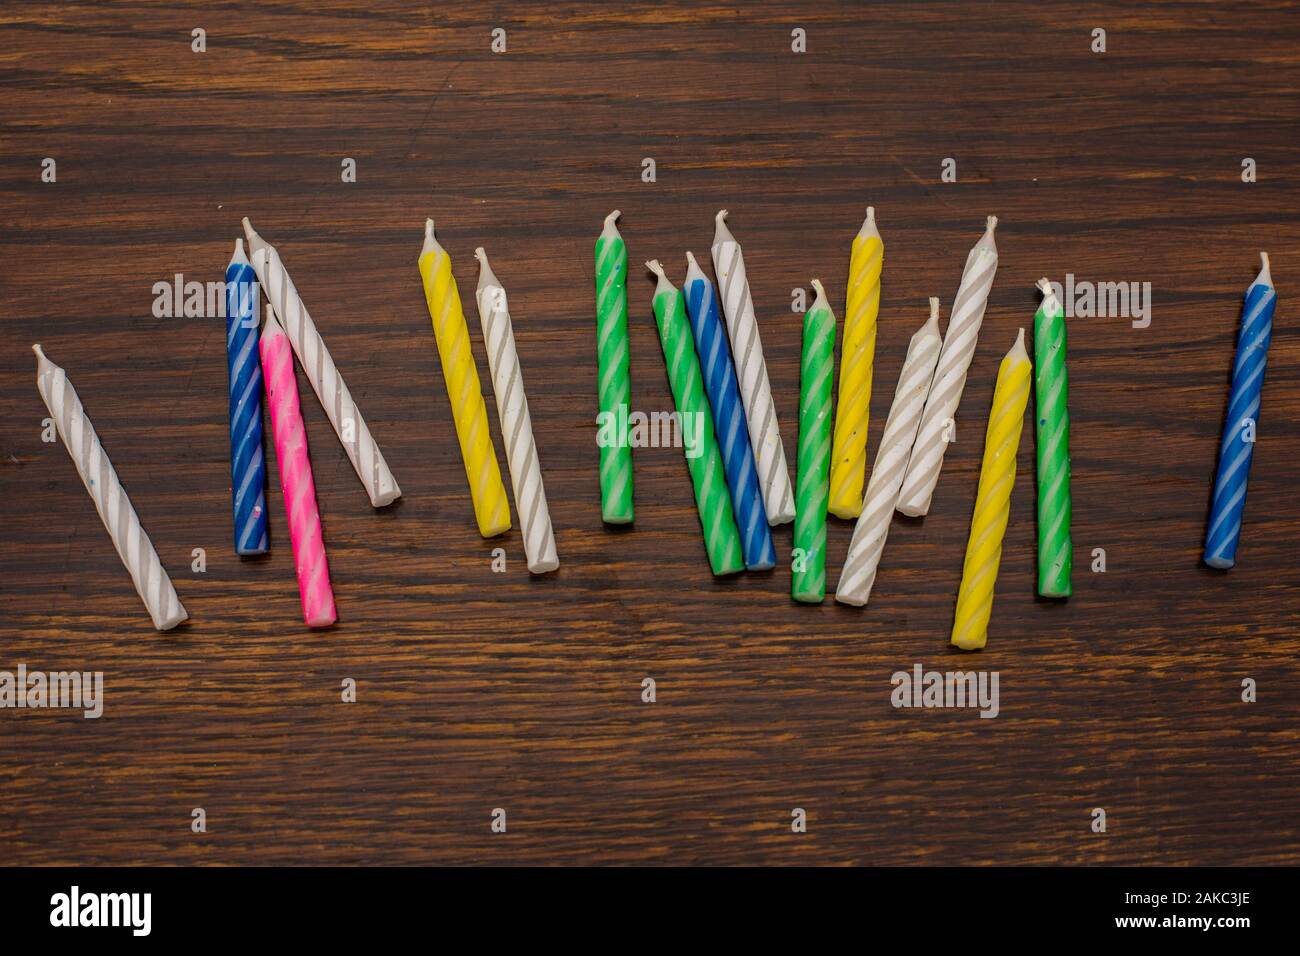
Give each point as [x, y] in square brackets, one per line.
[1051, 398]
[812, 484]
[712, 499]
[614, 384]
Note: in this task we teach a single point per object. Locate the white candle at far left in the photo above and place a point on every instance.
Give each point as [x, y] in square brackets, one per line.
[106, 491]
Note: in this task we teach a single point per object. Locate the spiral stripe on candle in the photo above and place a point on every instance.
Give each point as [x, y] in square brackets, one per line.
[517, 430]
[614, 386]
[940, 413]
[872, 530]
[857, 356]
[325, 378]
[1235, 451]
[115, 509]
[992, 502]
[712, 499]
[247, 464]
[296, 481]
[491, 508]
[729, 426]
[812, 481]
[1051, 401]
[755, 387]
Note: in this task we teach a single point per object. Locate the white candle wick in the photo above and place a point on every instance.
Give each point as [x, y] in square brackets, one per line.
[486, 277]
[430, 241]
[869, 224]
[721, 233]
[693, 271]
[987, 244]
[663, 285]
[1018, 350]
[255, 242]
[1265, 272]
[821, 295]
[610, 232]
[239, 256]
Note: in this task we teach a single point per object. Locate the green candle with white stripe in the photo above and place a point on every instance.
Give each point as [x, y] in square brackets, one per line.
[812, 481]
[712, 498]
[1052, 416]
[614, 384]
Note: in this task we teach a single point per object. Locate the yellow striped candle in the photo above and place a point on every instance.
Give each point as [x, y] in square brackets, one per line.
[857, 354]
[993, 501]
[491, 508]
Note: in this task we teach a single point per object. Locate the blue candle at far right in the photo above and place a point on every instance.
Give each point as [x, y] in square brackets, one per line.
[1239, 428]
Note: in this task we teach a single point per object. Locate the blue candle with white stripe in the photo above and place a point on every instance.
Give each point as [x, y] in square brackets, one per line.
[728, 419]
[1243, 415]
[247, 464]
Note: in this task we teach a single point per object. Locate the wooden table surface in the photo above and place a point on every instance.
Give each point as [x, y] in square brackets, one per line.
[480, 690]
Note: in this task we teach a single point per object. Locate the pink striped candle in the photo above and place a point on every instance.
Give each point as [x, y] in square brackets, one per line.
[296, 481]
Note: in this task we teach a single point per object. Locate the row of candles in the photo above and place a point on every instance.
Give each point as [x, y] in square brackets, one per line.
[716, 371]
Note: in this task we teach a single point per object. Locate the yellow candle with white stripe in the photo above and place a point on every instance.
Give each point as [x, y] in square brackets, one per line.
[993, 501]
[857, 355]
[491, 508]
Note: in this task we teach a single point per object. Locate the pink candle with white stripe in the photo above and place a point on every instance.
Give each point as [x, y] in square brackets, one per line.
[295, 476]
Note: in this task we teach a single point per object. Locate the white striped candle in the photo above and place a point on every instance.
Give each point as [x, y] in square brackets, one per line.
[755, 388]
[516, 423]
[938, 422]
[106, 491]
[321, 371]
[872, 529]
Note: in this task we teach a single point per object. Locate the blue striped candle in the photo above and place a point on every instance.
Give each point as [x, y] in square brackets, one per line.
[1243, 414]
[247, 465]
[728, 419]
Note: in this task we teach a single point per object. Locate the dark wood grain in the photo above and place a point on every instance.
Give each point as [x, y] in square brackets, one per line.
[480, 690]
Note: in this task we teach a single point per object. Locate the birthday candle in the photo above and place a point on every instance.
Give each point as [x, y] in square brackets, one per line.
[993, 500]
[938, 421]
[728, 419]
[755, 389]
[106, 491]
[1238, 445]
[872, 529]
[322, 372]
[491, 509]
[296, 482]
[247, 465]
[516, 423]
[712, 501]
[857, 353]
[1052, 414]
[614, 384]
[816, 370]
